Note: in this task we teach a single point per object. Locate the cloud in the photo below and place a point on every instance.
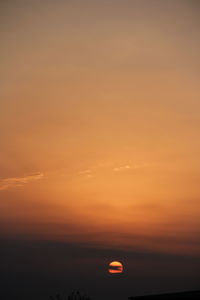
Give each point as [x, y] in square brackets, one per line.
[117, 169]
[11, 182]
[63, 265]
[86, 173]
[141, 165]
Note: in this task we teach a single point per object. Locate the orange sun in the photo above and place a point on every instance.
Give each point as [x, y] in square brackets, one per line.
[115, 267]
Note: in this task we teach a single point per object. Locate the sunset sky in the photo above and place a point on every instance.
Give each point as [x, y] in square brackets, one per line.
[99, 133]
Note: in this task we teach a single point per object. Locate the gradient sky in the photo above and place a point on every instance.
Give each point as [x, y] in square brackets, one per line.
[99, 135]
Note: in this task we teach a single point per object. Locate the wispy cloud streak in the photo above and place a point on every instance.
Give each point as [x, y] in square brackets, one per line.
[12, 182]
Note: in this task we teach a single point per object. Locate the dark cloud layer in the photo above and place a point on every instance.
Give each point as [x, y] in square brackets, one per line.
[36, 269]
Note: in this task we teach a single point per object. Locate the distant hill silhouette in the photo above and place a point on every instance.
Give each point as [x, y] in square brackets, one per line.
[183, 295]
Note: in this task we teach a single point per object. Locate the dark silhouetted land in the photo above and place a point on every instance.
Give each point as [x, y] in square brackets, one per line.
[183, 295]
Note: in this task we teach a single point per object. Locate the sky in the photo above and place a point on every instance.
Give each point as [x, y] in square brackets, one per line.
[99, 146]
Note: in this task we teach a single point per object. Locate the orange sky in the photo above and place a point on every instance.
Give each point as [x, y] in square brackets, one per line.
[99, 122]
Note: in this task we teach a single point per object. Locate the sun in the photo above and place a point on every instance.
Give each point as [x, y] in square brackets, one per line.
[115, 267]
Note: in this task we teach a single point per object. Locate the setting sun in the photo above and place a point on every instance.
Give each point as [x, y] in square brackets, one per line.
[115, 267]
